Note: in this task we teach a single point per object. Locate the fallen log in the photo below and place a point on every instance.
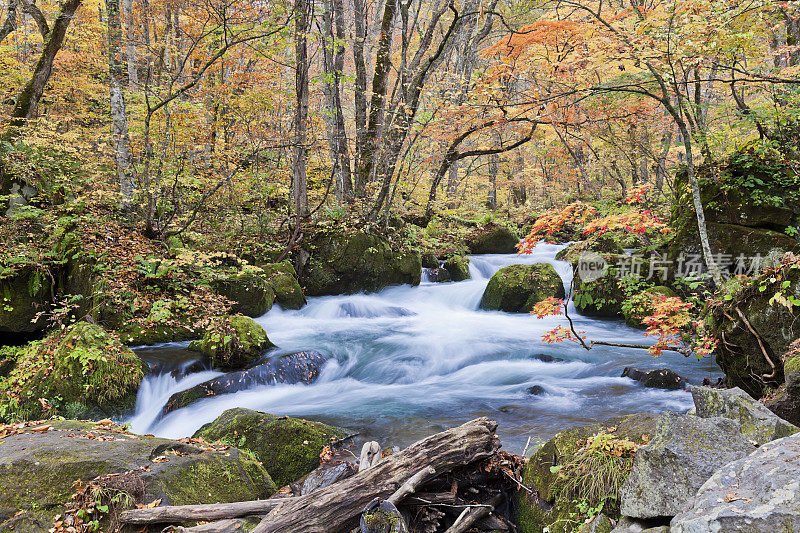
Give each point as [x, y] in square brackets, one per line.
[337, 507]
[180, 514]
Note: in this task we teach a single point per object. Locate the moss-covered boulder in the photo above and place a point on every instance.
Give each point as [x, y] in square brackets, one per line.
[546, 507]
[23, 295]
[458, 267]
[600, 244]
[140, 335]
[247, 289]
[492, 239]
[38, 469]
[429, 260]
[282, 279]
[81, 370]
[342, 264]
[235, 343]
[786, 403]
[517, 288]
[604, 296]
[739, 352]
[288, 448]
[297, 367]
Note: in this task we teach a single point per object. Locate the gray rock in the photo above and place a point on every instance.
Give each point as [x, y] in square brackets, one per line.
[683, 453]
[760, 492]
[626, 524]
[662, 378]
[758, 423]
[326, 475]
[600, 524]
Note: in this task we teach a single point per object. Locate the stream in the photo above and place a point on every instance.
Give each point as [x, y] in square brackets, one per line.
[410, 361]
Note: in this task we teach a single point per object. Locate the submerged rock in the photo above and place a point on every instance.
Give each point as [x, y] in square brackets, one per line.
[289, 448]
[80, 371]
[38, 469]
[757, 423]
[342, 263]
[492, 239]
[236, 343]
[683, 453]
[760, 492]
[663, 378]
[298, 367]
[517, 288]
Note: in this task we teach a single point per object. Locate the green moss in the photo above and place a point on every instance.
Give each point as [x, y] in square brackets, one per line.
[288, 448]
[82, 364]
[282, 278]
[246, 288]
[235, 343]
[458, 267]
[22, 297]
[492, 239]
[517, 288]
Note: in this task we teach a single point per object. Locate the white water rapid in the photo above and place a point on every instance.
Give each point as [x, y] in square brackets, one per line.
[410, 361]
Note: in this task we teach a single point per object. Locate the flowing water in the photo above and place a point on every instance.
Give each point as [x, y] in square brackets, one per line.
[410, 361]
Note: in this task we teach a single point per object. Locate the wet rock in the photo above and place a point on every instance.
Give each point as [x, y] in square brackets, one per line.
[547, 358]
[38, 469]
[663, 378]
[342, 263]
[683, 453]
[492, 239]
[289, 448]
[536, 390]
[236, 343]
[458, 267]
[517, 288]
[438, 275]
[429, 260]
[298, 367]
[757, 423]
[760, 492]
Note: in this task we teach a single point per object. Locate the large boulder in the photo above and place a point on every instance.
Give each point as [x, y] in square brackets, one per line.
[458, 267]
[298, 367]
[545, 507]
[741, 356]
[517, 288]
[760, 492]
[282, 279]
[342, 263]
[600, 244]
[492, 239]
[38, 468]
[236, 343]
[79, 371]
[23, 295]
[602, 295]
[756, 422]
[289, 448]
[786, 403]
[683, 453]
[247, 289]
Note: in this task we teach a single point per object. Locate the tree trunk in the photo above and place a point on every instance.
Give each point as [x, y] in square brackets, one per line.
[336, 508]
[119, 119]
[10, 23]
[300, 155]
[130, 45]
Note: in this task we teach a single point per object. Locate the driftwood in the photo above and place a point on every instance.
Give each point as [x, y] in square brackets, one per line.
[221, 526]
[180, 514]
[435, 460]
[370, 455]
[337, 507]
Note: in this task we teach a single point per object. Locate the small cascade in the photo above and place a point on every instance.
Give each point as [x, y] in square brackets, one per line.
[407, 361]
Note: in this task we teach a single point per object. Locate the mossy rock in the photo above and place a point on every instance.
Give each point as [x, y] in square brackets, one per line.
[282, 279]
[517, 288]
[492, 239]
[82, 368]
[741, 356]
[136, 335]
[634, 314]
[458, 267]
[344, 264]
[22, 297]
[429, 260]
[534, 512]
[288, 448]
[38, 469]
[236, 343]
[786, 403]
[599, 244]
[247, 289]
[603, 297]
